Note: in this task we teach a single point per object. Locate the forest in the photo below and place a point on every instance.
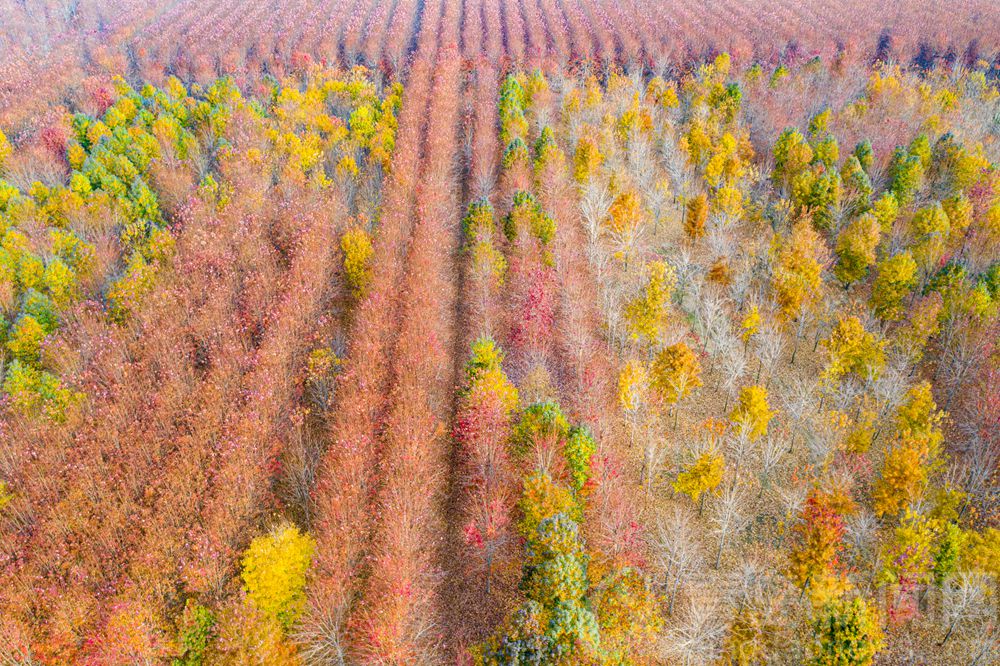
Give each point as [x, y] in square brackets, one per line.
[499, 333]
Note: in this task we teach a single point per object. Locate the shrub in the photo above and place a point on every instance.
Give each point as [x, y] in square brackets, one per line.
[197, 630]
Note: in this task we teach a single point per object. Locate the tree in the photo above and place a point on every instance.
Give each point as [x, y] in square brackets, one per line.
[542, 498]
[675, 372]
[886, 210]
[356, 245]
[197, 630]
[704, 476]
[896, 278]
[853, 350]
[586, 160]
[647, 313]
[750, 325]
[5, 150]
[924, 321]
[728, 517]
[815, 559]
[906, 175]
[930, 229]
[752, 412]
[792, 155]
[846, 633]
[907, 463]
[909, 561]
[855, 249]
[628, 614]
[554, 624]
[274, 572]
[696, 216]
[578, 451]
[798, 270]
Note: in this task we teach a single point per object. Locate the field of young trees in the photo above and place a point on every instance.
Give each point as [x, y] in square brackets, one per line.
[499, 332]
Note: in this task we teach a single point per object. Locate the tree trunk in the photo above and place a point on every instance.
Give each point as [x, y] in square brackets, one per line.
[948, 635]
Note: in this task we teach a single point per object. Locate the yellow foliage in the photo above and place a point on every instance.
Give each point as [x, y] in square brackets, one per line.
[696, 217]
[703, 476]
[626, 212]
[586, 160]
[752, 411]
[647, 313]
[357, 247]
[852, 349]
[542, 498]
[750, 324]
[632, 385]
[676, 371]
[274, 573]
[798, 269]
[249, 637]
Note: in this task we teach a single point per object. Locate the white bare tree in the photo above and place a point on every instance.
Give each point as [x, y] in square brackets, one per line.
[728, 517]
[677, 551]
[770, 347]
[772, 453]
[965, 603]
[696, 640]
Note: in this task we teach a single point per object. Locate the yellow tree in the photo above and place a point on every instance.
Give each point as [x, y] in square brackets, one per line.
[696, 216]
[897, 276]
[855, 249]
[356, 245]
[625, 219]
[702, 477]
[752, 412]
[750, 325]
[930, 228]
[274, 573]
[799, 261]
[646, 314]
[676, 371]
[912, 457]
[853, 350]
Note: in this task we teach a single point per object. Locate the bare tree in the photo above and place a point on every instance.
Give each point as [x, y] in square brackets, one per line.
[697, 639]
[728, 517]
[772, 451]
[595, 203]
[770, 347]
[964, 601]
[677, 551]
